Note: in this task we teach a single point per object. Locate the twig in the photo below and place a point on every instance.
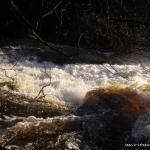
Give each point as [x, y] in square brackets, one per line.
[5, 71]
[49, 13]
[12, 68]
[108, 69]
[117, 72]
[20, 14]
[79, 40]
[6, 24]
[42, 89]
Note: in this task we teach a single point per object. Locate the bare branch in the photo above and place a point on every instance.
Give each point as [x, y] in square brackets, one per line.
[33, 30]
[118, 72]
[49, 13]
[42, 89]
[8, 69]
[79, 40]
[6, 24]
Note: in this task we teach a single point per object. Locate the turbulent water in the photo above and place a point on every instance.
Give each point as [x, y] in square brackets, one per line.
[68, 83]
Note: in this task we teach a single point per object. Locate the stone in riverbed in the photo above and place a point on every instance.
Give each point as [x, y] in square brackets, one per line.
[115, 110]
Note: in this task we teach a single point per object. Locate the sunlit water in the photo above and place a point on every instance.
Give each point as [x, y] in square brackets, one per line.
[72, 81]
[68, 83]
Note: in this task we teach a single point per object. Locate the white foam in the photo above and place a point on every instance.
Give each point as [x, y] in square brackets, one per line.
[70, 82]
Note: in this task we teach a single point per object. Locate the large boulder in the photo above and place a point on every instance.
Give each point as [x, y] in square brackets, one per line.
[115, 110]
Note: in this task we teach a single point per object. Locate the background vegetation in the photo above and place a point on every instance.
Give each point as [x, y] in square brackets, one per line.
[118, 24]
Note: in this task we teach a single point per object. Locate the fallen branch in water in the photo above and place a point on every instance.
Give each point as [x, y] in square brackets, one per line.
[42, 89]
[118, 72]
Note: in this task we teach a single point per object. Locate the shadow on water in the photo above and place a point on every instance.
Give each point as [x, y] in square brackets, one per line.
[68, 55]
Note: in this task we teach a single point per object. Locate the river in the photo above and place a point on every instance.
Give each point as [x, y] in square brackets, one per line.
[45, 80]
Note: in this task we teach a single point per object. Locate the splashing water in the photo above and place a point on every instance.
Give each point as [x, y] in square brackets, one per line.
[70, 82]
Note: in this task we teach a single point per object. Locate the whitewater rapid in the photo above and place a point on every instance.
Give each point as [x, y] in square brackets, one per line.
[69, 82]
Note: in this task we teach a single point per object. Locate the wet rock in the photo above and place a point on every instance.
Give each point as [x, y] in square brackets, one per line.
[116, 110]
[122, 103]
[141, 128]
